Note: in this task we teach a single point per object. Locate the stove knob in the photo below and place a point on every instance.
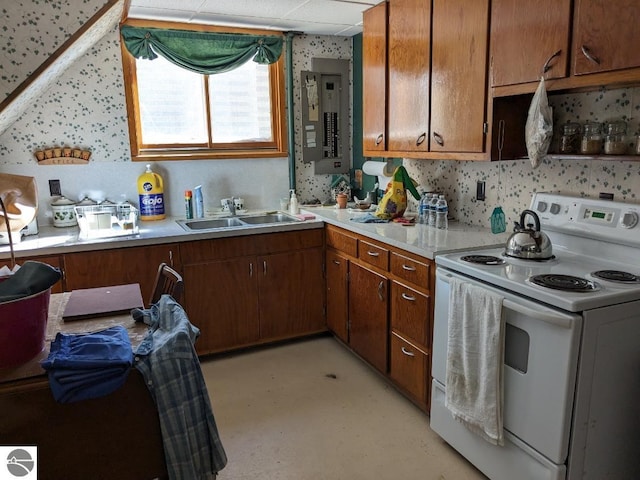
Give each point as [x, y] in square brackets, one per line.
[629, 219]
[542, 206]
[555, 208]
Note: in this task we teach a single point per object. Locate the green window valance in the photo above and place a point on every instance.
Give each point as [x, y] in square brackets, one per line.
[201, 52]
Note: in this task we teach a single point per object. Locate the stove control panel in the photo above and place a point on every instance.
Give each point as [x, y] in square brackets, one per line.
[595, 218]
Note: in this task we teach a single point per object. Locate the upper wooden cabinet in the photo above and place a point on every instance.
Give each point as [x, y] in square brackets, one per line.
[527, 39]
[458, 75]
[409, 66]
[590, 44]
[436, 79]
[374, 80]
[606, 35]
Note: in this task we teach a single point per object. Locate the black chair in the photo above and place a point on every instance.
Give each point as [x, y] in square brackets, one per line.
[168, 281]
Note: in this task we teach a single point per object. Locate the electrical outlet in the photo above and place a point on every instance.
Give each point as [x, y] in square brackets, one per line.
[54, 188]
[480, 191]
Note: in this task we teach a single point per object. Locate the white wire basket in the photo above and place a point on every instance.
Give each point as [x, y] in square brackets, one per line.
[99, 221]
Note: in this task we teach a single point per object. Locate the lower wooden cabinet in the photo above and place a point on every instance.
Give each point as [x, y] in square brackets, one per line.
[410, 368]
[244, 291]
[102, 268]
[379, 302]
[368, 318]
[54, 261]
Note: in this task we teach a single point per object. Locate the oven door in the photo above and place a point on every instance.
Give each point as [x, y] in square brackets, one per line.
[541, 356]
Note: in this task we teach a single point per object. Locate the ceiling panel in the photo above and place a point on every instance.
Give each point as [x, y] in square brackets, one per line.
[318, 17]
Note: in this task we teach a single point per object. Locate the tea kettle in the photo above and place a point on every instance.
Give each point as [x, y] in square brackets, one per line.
[528, 241]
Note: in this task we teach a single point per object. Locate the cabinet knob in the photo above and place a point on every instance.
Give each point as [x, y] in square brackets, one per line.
[373, 254]
[408, 268]
[379, 139]
[421, 139]
[438, 138]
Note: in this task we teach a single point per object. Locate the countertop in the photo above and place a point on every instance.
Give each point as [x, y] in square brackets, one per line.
[419, 239]
[53, 241]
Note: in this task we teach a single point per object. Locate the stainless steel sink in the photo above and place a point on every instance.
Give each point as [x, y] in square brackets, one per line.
[277, 217]
[211, 223]
[237, 222]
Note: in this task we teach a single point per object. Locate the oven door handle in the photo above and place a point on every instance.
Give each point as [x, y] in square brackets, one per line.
[547, 315]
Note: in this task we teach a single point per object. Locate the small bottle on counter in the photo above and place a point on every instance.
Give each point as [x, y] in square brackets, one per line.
[188, 204]
[431, 218]
[442, 212]
[423, 208]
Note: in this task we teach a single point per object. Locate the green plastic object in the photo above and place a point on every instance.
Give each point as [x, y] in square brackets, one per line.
[498, 222]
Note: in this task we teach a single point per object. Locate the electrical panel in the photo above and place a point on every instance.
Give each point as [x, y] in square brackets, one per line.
[325, 105]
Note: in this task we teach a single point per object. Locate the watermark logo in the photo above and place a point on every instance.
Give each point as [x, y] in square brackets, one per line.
[19, 462]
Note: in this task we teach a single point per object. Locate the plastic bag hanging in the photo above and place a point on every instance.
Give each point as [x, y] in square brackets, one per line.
[539, 126]
[394, 201]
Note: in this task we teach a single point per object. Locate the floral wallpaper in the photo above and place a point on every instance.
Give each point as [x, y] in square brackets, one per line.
[511, 183]
[86, 108]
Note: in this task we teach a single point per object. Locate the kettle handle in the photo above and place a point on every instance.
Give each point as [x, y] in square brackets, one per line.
[535, 218]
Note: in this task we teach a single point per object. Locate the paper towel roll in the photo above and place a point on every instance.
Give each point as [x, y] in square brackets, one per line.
[378, 169]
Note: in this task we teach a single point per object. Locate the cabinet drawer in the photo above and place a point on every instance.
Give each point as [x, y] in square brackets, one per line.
[340, 240]
[410, 314]
[373, 254]
[410, 369]
[410, 270]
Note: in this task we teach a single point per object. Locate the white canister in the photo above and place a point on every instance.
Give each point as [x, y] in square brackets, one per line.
[64, 214]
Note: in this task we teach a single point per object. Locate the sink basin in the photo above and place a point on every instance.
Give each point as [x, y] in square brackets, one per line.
[269, 218]
[210, 223]
[237, 222]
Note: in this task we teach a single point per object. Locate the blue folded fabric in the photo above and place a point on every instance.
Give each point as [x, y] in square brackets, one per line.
[369, 218]
[88, 365]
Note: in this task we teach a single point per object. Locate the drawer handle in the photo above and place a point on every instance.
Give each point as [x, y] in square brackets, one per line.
[408, 268]
[438, 138]
[373, 254]
[381, 290]
[408, 297]
[336, 262]
[421, 139]
[379, 139]
[408, 353]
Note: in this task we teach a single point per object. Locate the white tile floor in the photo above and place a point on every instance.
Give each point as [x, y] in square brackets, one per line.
[282, 416]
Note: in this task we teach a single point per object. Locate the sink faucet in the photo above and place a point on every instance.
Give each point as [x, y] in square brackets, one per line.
[229, 202]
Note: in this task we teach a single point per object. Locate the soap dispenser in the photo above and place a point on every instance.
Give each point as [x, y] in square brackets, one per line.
[293, 203]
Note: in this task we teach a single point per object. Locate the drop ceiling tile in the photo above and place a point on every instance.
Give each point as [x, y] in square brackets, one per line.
[328, 11]
[268, 9]
[160, 14]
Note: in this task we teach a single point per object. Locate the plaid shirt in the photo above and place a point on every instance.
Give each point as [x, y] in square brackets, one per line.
[169, 364]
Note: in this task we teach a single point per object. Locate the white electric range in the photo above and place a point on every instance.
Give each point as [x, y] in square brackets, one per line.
[572, 346]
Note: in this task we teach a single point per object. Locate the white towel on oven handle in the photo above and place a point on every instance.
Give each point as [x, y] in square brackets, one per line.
[475, 359]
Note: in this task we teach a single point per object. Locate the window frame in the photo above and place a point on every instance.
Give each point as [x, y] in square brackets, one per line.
[144, 153]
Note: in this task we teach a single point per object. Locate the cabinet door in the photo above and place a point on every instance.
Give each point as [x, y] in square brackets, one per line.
[291, 293]
[606, 35]
[374, 77]
[410, 369]
[525, 36]
[337, 268]
[458, 75]
[221, 299]
[103, 268]
[409, 74]
[368, 314]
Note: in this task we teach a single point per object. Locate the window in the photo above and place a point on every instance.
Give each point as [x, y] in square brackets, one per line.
[175, 113]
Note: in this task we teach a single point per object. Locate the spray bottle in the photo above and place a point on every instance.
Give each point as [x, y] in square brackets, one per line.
[293, 203]
[151, 195]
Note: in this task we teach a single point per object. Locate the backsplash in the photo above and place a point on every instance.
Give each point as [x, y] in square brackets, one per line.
[511, 183]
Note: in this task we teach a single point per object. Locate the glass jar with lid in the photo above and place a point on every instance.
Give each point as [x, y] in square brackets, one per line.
[616, 138]
[570, 140]
[591, 138]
